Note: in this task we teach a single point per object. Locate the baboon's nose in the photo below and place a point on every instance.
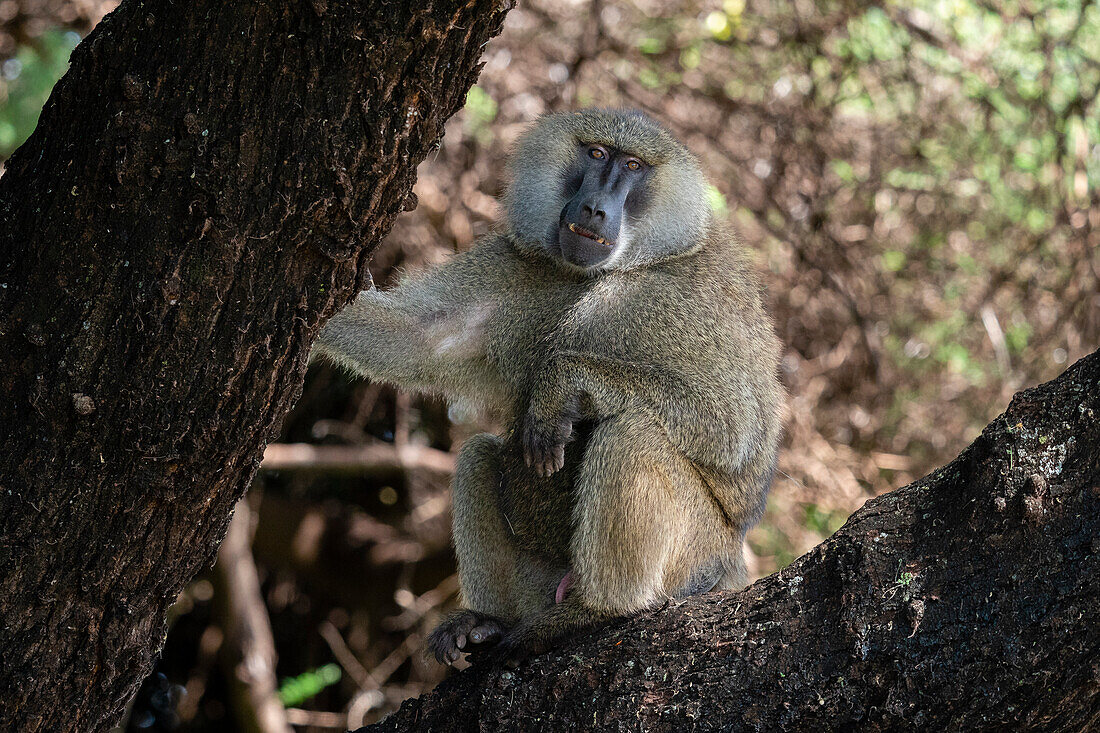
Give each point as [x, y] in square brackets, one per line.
[593, 214]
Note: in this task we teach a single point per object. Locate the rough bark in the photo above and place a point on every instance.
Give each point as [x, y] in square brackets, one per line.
[965, 601]
[203, 190]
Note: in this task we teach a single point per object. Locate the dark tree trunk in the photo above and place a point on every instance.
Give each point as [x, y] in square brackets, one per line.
[969, 600]
[203, 190]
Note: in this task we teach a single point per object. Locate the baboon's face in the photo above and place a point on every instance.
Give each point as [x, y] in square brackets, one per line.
[605, 189]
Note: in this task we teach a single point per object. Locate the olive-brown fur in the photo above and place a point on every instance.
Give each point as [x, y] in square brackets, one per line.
[641, 395]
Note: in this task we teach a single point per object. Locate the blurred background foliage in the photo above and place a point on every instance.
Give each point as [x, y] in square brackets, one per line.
[917, 181]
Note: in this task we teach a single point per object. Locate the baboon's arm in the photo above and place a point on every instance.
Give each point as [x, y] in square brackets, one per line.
[427, 334]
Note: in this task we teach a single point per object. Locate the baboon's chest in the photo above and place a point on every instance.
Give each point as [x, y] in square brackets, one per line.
[525, 331]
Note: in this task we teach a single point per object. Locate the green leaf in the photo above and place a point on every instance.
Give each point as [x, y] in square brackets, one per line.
[717, 202]
[480, 106]
[296, 690]
[893, 260]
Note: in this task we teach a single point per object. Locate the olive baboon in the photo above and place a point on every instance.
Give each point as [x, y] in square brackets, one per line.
[620, 333]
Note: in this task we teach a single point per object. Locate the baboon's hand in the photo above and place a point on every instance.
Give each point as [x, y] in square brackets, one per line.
[544, 443]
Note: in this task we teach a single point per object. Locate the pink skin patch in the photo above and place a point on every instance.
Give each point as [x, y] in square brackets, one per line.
[563, 587]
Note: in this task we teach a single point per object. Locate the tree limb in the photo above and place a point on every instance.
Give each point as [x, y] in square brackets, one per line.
[203, 190]
[964, 601]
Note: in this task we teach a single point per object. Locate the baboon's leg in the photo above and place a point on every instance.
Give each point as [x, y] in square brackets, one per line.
[499, 584]
[632, 531]
[486, 557]
[736, 576]
[645, 528]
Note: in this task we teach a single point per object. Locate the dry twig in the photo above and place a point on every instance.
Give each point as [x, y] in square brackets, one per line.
[363, 459]
[249, 648]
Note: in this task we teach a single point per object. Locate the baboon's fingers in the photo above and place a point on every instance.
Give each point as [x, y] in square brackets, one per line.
[559, 457]
[549, 461]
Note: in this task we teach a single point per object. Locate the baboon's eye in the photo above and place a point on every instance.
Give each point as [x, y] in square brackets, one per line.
[596, 153]
[633, 165]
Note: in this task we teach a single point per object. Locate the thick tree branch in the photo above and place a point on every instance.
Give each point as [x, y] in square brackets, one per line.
[964, 601]
[203, 190]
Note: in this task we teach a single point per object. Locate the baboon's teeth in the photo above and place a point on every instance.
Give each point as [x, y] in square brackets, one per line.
[590, 235]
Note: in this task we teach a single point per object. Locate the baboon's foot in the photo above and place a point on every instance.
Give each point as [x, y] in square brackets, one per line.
[464, 631]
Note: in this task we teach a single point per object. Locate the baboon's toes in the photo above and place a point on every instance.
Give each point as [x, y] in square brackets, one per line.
[464, 631]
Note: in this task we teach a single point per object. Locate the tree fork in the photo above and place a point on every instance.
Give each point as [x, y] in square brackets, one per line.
[203, 191]
[967, 600]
